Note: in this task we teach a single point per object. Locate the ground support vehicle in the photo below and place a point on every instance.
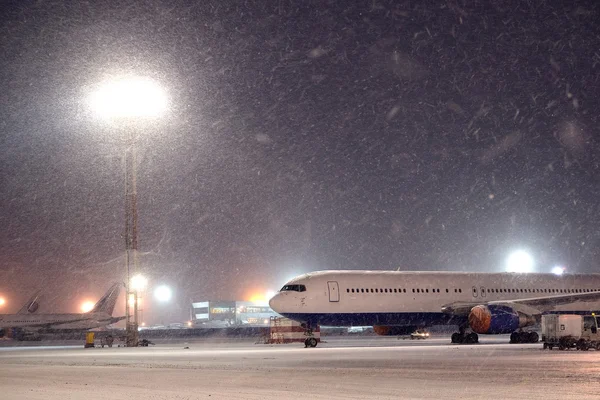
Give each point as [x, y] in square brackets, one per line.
[419, 334]
[568, 331]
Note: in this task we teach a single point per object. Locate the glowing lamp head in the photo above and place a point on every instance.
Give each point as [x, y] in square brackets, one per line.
[2, 301]
[131, 300]
[520, 262]
[163, 293]
[558, 270]
[262, 297]
[87, 306]
[129, 97]
[138, 283]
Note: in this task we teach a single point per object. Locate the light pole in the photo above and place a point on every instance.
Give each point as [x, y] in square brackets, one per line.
[138, 284]
[126, 100]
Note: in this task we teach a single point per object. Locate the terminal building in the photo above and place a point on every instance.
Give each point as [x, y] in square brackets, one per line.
[217, 314]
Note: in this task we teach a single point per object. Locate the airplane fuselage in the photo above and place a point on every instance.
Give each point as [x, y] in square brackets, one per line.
[56, 321]
[355, 298]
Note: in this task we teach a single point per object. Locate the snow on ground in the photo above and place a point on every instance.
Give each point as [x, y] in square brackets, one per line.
[383, 368]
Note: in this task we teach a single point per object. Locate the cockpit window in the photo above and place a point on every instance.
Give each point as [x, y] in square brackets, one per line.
[294, 288]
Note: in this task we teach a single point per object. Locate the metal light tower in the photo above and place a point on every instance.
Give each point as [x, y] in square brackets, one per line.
[131, 239]
[127, 100]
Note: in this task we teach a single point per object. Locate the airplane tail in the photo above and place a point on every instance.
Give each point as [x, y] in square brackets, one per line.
[32, 304]
[107, 302]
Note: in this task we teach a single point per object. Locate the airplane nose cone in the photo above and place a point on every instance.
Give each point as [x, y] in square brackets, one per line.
[275, 303]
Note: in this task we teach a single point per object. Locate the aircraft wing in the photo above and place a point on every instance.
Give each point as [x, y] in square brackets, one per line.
[531, 306]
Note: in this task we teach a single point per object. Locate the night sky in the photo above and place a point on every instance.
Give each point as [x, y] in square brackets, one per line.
[301, 136]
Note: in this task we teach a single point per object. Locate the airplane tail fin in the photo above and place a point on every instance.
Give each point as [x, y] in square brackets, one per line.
[32, 304]
[107, 302]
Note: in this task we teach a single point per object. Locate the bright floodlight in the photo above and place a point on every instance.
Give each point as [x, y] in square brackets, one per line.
[129, 98]
[138, 283]
[558, 270]
[163, 293]
[2, 301]
[519, 261]
[131, 300]
[87, 306]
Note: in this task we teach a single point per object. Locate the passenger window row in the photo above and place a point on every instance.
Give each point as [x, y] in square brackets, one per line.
[396, 290]
[541, 290]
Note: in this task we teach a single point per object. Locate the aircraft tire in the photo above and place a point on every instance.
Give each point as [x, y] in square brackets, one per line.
[456, 338]
[533, 337]
[312, 342]
[582, 345]
[472, 338]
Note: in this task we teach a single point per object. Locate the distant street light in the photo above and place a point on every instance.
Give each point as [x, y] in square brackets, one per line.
[133, 300]
[520, 261]
[2, 301]
[558, 270]
[139, 283]
[163, 293]
[126, 100]
[87, 306]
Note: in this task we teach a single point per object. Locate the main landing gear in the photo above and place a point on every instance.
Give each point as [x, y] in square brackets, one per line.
[461, 337]
[524, 337]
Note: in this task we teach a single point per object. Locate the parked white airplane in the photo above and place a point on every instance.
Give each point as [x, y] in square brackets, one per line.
[99, 316]
[396, 303]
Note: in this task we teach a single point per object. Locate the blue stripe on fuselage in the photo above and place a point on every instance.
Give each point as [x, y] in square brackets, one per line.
[393, 319]
[370, 319]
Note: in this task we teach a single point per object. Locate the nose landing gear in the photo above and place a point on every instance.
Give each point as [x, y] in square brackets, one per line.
[310, 341]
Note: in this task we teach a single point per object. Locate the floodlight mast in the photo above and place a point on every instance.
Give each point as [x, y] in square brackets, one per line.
[127, 99]
[131, 237]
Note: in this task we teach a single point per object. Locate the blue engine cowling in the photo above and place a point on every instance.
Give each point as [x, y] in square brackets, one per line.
[495, 319]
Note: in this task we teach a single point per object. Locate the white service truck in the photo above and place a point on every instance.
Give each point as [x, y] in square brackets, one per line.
[567, 331]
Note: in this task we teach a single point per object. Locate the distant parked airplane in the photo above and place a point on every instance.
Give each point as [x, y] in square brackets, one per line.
[28, 322]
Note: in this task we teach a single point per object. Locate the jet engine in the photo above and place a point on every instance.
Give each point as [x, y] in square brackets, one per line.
[393, 330]
[497, 319]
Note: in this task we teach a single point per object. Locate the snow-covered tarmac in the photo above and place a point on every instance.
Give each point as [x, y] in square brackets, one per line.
[342, 368]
